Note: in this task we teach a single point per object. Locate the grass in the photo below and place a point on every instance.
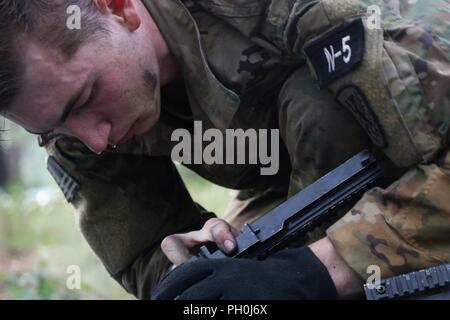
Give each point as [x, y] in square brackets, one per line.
[39, 239]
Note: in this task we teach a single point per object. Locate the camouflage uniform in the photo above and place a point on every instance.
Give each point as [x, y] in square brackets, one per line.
[246, 64]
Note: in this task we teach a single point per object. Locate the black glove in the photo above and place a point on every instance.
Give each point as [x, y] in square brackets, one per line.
[289, 274]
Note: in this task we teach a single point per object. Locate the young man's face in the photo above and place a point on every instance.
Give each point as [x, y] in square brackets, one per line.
[104, 95]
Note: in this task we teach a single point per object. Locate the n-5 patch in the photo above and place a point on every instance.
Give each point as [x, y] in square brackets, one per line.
[68, 185]
[337, 52]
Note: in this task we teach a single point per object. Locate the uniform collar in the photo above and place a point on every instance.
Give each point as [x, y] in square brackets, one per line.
[183, 38]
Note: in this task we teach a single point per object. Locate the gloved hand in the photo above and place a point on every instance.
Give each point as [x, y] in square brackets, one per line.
[289, 274]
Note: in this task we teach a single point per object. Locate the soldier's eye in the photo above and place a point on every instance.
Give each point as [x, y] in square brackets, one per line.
[90, 97]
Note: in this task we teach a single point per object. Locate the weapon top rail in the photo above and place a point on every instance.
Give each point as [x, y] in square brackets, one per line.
[410, 284]
[303, 211]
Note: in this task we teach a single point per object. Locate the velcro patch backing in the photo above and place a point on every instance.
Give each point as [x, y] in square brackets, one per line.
[68, 185]
[337, 52]
[351, 97]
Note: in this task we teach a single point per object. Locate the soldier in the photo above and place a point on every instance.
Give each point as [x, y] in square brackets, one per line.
[106, 98]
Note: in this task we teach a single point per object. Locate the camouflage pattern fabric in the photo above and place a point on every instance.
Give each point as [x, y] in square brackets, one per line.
[402, 228]
[404, 77]
[244, 66]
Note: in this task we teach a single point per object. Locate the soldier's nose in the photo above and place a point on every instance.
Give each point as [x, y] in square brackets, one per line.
[95, 138]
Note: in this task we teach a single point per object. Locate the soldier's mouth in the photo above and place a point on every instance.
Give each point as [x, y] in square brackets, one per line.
[128, 136]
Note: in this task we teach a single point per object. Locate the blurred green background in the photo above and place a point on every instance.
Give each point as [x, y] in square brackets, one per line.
[39, 239]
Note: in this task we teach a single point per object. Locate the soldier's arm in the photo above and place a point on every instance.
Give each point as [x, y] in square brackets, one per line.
[125, 205]
[402, 228]
[395, 82]
[347, 282]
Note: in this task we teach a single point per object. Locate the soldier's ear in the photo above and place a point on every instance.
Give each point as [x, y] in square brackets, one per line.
[123, 11]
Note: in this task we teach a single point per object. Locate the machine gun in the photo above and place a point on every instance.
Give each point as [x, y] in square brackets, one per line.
[318, 202]
[304, 211]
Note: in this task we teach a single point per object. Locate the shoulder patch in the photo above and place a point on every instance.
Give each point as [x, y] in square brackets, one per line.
[68, 185]
[337, 52]
[355, 101]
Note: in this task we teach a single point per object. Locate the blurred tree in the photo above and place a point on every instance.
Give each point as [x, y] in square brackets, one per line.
[3, 170]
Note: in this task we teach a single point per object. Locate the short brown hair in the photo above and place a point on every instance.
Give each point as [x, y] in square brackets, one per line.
[44, 20]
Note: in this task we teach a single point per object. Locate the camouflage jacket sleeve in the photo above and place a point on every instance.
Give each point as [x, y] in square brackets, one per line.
[125, 205]
[393, 75]
[402, 228]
